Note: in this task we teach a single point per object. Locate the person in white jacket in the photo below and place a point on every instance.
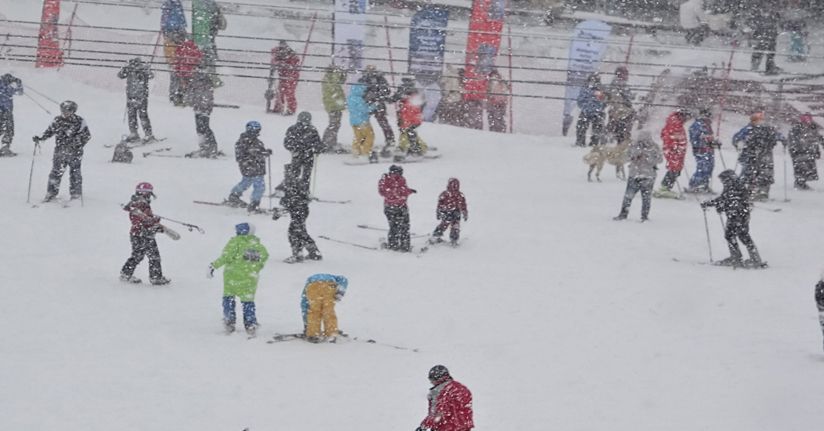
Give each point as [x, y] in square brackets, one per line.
[694, 21]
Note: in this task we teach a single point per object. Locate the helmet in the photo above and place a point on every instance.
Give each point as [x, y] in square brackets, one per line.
[395, 169]
[438, 373]
[144, 189]
[244, 229]
[253, 127]
[704, 113]
[305, 118]
[68, 107]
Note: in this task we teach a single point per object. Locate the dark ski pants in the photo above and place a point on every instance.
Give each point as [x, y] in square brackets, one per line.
[398, 218]
[669, 179]
[760, 47]
[738, 229]
[330, 135]
[299, 171]
[229, 315]
[452, 221]
[59, 164]
[383, 122]
[596, 121]
[298, 236]
[495, 117]
[135, 109]
[208, 143]
[705, 163]
[6, 126]
[635, 185]
[143, 246]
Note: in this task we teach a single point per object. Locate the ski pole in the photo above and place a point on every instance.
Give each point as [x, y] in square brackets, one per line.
[786, 199]
[314, 171]
[269, 173]
[38, 103]
[42, 95]
[31, 171]
[187, 225]
[707, 229]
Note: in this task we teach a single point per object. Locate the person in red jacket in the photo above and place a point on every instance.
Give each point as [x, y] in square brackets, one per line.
[142, 234]
[392, 186]
[450, 403]
[287, 64]
[410, 117]
[187, 57]
[675, 149]
[451, 207]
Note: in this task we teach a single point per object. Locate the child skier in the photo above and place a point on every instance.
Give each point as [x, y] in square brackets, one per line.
[142, 235]
[251, 159]
[244, 257]
[451, 207]
[735, 202]
[9, 87]
[410, 117]
[359, 112]
[317, 303]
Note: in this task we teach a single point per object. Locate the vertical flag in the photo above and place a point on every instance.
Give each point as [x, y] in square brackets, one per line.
[485, 26]
[427, 39]
[586, 51]
[349, 33]
[49, 53]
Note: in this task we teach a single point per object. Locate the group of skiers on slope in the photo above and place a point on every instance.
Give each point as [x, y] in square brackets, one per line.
[596, 101]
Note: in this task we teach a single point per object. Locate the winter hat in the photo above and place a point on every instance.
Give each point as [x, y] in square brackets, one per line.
[245, 229]
[305, 118]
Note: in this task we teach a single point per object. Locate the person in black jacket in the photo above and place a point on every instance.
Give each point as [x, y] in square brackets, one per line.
[303, 142]
[201, 97]
[250, 155]
[10, 86]
[764, 22]
[296, 202]
[71, 135]
[378, 93]
[735, 202]
[756, 157]
[137, 75]
[803, 144]
[819, 301]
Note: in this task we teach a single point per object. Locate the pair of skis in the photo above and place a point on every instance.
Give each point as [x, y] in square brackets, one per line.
[136, 143]
[762, 265]
[278, 338]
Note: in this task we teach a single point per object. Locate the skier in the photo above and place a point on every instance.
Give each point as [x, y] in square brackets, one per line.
[619, 100]
[450, 403]
[201, 95]
[796, 24]
[735, 202]
[451, 207]
[287, 63]
[250, 155]
[9, 87]
[244, 257]
[334, 102]
[142, 236]
[317, 304]
[377, 94]
[303, 142]
[694, 21]
[703, 144]
[186, 60]
[173, 28]
[675, 149]
[207, 21]
[764, 22]
[410, 117]
[591, 104]
[359, 111]
[296, 202]
[756, 158]
[819, 301]
[497, 95]
[137, 75]
[71, 135]
[803, 143]
[392, 187]
[644, 156]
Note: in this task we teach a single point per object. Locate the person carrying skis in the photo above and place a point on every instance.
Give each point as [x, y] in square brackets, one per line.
[9, 87]
[703, 149]
[334, 102]
[377, 94]
[287, 63]
[186, 60]
[137, 75]
[450, 403]
[243, 257]
[410, 117]
[296, 202]
[250, 154]
[173, 28]
[142, 236]
[201, 96]
[392, 187]
[71, 135]
[359, 112]
[591, 104]
[644, 156]
[675, 149]
[735, 202]
[497, 96]
[756, 157]
[451, 207]
[317, 305]
[802, 143]
[303, 142]
[819, 301]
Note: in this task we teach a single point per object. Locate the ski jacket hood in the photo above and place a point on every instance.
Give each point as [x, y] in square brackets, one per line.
[453, 185]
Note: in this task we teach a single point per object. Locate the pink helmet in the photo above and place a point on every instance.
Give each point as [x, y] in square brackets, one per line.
[144, 188]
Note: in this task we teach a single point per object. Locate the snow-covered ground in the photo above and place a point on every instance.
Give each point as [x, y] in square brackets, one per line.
[555, 316]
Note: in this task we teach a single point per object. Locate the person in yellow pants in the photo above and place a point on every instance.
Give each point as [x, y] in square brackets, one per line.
[364, 139]
[318, 306]
[359, 112]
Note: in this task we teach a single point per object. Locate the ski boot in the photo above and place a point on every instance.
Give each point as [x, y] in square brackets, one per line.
[733, 261]
[160, 281]
[435, 240]
[251, 330]
[129, 279]
[666, 193]
[453, 243]
[386, 151]
[133, 137]
[621, 216]
[254, 208]
[50, 198]
[314, 254]
[295, 258]
[314, 340]
[228, 327]
[5, 151]
[373, 157]
[234, 201]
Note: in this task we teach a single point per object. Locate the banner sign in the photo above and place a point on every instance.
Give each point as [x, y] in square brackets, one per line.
[49, 53]
[586, 51]
[348, 28]
[485, 26]
[427, 40]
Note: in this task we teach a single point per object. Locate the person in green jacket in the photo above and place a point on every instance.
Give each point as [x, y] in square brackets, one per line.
[334, 102]
[244, 257]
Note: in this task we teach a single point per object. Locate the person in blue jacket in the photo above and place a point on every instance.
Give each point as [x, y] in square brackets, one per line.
[359, 112]
[9, 87]
[591, 102]
[173, 28]
[703, 149]
[317, 303]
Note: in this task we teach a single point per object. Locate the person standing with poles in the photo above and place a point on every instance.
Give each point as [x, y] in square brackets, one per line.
[137, 75]
[71, 135]
[735, 203]
[251, 157]
[142, 236]
[303, 142]
[819, 301]
[392, 187]
[10, 86]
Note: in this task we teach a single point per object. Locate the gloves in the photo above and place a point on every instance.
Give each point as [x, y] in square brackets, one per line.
[704, 205]
[338, 297]
[268, 152]
[413, 190]
[36, 139]
[211, 271]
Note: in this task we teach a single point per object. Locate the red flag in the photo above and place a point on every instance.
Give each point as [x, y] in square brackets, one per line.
[49, 53]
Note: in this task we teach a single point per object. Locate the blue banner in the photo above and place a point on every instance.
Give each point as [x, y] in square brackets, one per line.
[427, 40]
